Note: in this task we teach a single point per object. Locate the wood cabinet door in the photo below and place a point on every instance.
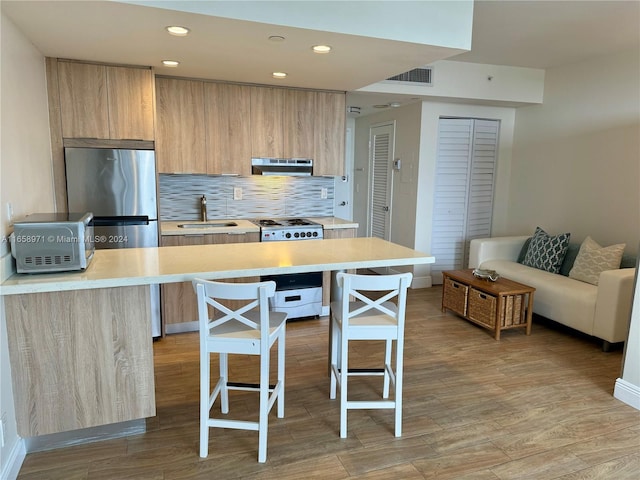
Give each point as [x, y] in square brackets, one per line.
[330, 133]
[180, 139]
[179, 299]
[83, 100]
[298, 123]
[130, 96]
[228, 128]
[267, 106]
[179, 303]
[326, 276]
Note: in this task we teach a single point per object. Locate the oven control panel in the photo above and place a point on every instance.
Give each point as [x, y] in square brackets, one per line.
[288, 234]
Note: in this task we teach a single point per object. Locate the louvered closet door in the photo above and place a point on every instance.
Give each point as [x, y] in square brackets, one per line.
[463, 206]
[382, 138]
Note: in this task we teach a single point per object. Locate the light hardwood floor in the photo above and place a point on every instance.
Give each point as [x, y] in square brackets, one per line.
[526, 407]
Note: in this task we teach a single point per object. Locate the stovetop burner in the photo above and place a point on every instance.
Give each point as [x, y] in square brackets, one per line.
[288, 229]
[267, 223]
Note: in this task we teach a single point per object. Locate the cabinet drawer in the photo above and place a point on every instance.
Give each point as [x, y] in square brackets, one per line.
[482, 307]
[455, 296]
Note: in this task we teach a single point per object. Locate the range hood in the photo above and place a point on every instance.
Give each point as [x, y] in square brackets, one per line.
[289, 167]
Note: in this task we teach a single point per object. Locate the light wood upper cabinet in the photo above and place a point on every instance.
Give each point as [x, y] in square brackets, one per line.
[105, 102]
[298, 123]
[84, 106]
[228, 128]
[329, 137]
[180, 143]
[267, 105]
[130, 95]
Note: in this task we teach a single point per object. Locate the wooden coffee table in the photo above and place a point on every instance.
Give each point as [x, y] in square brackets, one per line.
[495, 305]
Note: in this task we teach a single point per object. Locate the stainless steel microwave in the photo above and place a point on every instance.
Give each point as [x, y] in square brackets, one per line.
[53, 242]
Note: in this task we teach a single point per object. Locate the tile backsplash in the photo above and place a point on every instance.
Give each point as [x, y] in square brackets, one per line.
[245, 197]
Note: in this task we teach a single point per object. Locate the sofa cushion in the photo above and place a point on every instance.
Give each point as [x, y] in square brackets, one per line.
[594, 259]
[569, 258]
[546, 252]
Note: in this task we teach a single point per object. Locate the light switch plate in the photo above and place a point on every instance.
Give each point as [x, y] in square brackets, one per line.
[237, 193]
[324, 193]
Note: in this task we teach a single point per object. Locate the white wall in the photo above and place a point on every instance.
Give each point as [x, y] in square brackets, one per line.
[26, 182]
[473, 82]
[434, 22]
[576, 157]
[416, 145]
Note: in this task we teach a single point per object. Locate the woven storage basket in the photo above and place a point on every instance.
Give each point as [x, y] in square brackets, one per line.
[482, 307]
[454, 296]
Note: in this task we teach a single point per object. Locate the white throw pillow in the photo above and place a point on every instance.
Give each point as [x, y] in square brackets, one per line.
[593, 259]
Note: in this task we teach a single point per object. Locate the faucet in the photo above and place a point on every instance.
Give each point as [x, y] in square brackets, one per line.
[203, 208]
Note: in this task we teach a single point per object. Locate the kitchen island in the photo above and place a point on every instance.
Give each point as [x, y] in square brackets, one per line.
[80, 343]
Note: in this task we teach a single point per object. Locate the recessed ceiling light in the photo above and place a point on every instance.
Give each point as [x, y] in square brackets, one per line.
[178, 31]
[279, 74]
[276, 38]
[170, 63]
[321, 48]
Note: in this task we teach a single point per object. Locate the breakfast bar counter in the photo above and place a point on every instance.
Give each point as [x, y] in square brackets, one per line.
[147, 266]
[80, 343]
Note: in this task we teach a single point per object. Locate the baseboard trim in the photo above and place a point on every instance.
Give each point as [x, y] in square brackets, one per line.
[184, 327]
[85, 435]
[627, 393]
[14, 462]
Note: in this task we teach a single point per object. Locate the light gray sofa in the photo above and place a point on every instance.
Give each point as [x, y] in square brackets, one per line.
[602, 310]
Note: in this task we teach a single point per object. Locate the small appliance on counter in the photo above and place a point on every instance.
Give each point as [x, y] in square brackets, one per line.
[53, 242]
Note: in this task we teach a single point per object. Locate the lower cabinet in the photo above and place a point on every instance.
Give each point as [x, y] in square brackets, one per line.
[179, 306]
[326, 276]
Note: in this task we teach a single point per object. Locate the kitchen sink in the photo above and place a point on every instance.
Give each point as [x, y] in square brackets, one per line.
[207, 225]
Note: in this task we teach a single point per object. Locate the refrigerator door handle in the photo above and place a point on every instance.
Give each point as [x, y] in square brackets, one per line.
[121, 220]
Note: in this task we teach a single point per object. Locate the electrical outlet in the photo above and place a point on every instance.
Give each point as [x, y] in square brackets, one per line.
[237, 193]
[324, 193]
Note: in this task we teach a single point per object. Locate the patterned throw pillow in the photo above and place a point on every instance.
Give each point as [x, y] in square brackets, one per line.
[546, 252]
[593, 259]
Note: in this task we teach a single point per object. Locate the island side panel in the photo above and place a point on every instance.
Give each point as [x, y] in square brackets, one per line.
[80, 358]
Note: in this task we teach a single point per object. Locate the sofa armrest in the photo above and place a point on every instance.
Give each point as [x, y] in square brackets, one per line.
[613, 304]
[496, 248]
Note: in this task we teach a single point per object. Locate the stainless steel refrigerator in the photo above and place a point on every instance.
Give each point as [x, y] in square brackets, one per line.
[119, 187]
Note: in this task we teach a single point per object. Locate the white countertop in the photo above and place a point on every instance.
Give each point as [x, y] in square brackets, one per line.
[242, 226]
[145, 266]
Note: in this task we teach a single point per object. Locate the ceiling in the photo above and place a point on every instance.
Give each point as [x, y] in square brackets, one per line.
[536, 34]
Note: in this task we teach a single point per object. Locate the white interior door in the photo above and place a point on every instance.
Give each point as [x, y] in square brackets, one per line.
[381, 149]
[464, 185]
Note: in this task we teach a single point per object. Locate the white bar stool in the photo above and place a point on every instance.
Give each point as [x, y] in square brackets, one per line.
[252, 330]
[369, 319]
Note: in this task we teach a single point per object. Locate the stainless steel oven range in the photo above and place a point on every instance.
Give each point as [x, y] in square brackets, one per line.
[298, 294]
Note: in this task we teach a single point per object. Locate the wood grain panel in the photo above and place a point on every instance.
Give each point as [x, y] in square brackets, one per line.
[228, 128]
[180, 143]
[329, 139]
[298, 123]
[267, 106]
[81, 359]
[55, 130]
[179, 304]
[326, 276]
[130, 97]
[83, 100]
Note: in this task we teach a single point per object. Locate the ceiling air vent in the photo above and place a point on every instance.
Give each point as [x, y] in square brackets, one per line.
[417, 75]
